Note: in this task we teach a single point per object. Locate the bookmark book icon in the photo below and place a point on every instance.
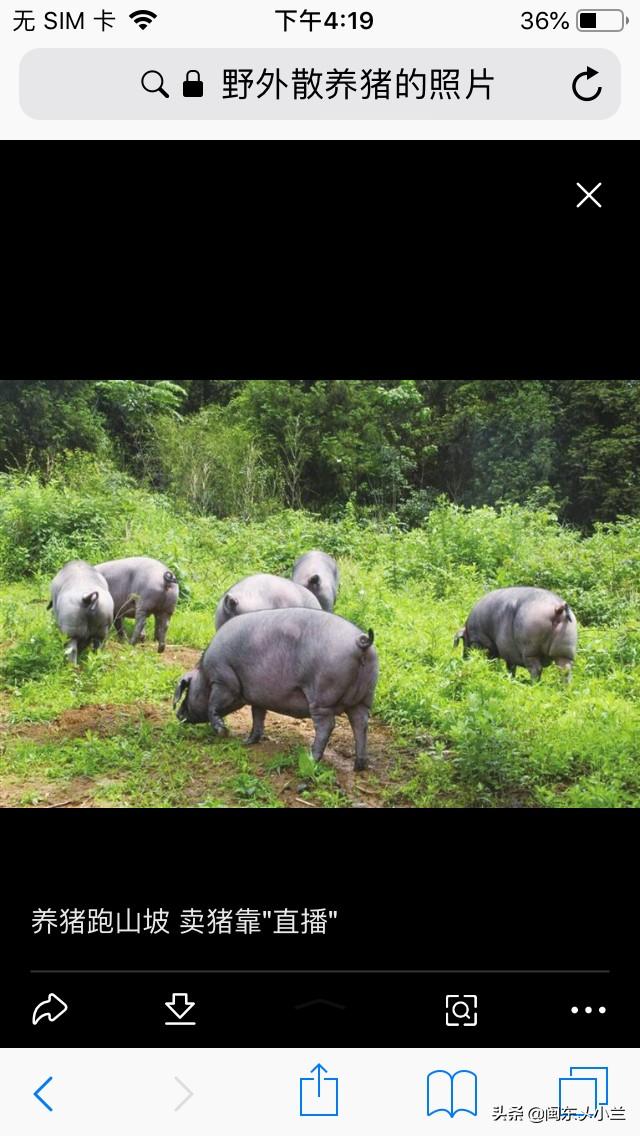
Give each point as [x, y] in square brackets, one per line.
[452, 1093]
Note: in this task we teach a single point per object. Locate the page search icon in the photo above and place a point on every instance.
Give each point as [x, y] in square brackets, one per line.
[462, 1011]
[153, 83]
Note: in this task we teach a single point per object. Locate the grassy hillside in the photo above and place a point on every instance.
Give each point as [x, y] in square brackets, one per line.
[448, 733]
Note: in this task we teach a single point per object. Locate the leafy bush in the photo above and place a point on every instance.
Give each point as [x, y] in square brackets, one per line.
[39, 419]
[70, 516]
[132, 409]
[213, 466]
[30, 659]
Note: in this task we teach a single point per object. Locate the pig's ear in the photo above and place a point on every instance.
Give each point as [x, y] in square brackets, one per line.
[231, 605]
[460, 637]
[181, 689]
[90, 599]
[314, 584]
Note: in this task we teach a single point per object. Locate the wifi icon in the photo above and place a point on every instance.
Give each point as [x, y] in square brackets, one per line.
[143, 18]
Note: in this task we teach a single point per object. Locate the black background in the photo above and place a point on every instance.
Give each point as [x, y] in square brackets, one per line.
[431, 895]
[341, 261]
[327, 260]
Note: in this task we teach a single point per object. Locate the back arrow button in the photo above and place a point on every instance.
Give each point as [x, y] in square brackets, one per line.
[40, 1099]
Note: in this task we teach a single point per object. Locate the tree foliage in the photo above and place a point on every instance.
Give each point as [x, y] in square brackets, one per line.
[387, 445]
[39, 419]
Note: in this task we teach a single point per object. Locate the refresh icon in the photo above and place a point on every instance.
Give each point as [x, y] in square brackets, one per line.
[588, 75]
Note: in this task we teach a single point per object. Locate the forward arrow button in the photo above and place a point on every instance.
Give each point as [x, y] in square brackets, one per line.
[187, 1090]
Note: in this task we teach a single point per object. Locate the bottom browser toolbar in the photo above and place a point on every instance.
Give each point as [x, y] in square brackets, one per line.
[373, 1090]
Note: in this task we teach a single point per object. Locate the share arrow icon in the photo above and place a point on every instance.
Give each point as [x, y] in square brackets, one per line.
[50, 1010]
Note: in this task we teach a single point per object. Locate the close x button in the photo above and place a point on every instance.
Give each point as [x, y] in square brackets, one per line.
[588, 195]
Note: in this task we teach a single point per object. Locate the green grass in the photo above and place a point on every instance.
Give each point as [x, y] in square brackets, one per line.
[463, 734]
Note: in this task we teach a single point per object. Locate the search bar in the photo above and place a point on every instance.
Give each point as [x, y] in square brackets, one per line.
[304, 84]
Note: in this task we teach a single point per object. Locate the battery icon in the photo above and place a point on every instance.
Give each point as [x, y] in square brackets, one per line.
[601, 20]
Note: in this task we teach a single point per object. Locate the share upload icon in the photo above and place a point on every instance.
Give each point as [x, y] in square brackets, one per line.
[319, 1094]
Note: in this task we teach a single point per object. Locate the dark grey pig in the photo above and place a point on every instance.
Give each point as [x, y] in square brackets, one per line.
[319, 573]
[262, 593]
[304, 663]
[82, 607]
[142, 587]
[527, 627]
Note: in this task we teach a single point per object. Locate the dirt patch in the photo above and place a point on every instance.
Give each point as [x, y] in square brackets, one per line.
[80, 793]
[103, 721]
[187, 657]
[283, 735]
[361, 790]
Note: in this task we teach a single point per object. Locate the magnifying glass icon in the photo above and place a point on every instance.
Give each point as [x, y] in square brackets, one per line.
[461, 1012]
[153, 83]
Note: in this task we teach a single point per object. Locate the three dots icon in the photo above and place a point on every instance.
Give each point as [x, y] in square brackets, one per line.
[588, 1010]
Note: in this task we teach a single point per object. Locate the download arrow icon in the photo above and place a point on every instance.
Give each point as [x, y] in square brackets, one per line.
[52, 1009]
[180, 1007]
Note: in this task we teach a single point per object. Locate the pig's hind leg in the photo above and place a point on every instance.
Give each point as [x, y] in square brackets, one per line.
[138, 631]
[324, 721]
[566, 667]
[257, 733]
[359, 718]
[119, 626]
[535, 668]
[162, 626]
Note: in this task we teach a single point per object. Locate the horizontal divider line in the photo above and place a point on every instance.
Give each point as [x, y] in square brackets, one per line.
[351, 973]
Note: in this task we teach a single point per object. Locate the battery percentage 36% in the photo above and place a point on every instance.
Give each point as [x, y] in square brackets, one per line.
[545, 21]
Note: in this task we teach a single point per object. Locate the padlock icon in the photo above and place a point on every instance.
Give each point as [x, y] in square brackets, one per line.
[193, 88]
